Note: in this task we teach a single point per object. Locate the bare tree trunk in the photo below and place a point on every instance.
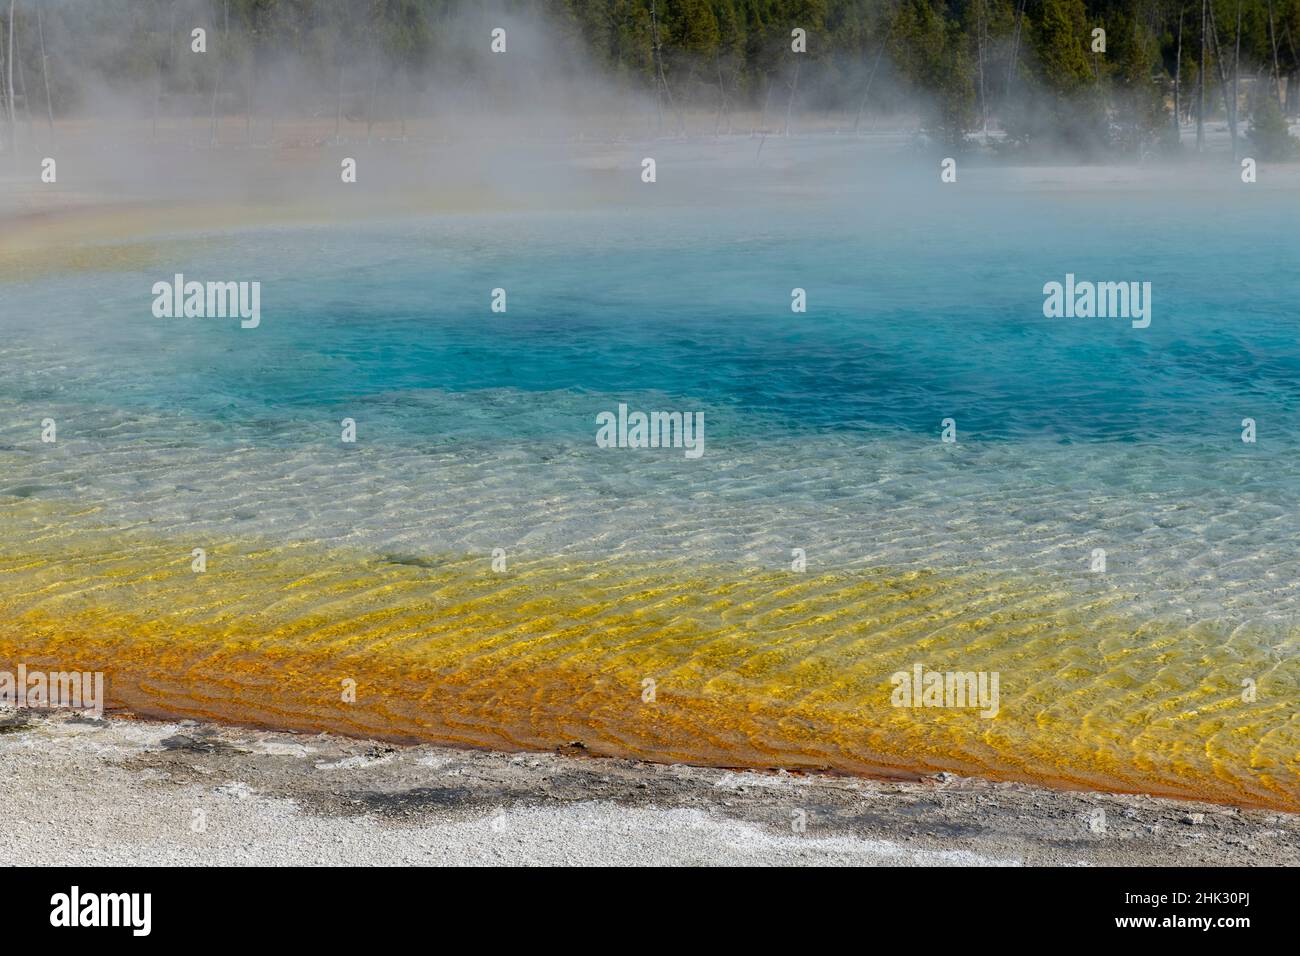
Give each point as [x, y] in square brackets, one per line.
[722, 95]
[27, 103]
[762, 116]
[1200, 76]
[794, 89]
[248, 100]
[221, 69]
[1236, 73]
[10, 82]
[273, 115]
[1015, 47]
[370, 101]
[1178, 80]
[45, 72]
[168, 57]
[1229, 108]
[660, 77]
[157, 90]
[338, 106]
[4, 92]
[401, 108]
[1272, 39]
[979, 42]
[1292, 81]
[658, 65]
[862, 103]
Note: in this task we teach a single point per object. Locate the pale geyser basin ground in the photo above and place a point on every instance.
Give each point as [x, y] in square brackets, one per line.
[823, 435]
[129, 792]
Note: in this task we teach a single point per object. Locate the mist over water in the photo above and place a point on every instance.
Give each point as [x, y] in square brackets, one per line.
[431, 108]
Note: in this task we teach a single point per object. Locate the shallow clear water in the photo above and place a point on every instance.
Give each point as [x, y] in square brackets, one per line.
[477, 431]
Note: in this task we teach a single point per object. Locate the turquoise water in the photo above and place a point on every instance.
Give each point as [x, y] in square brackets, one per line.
[821, 427]
[476, 431]
[915, 314]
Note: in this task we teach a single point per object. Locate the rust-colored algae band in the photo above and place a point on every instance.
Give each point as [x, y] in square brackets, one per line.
[749, 668]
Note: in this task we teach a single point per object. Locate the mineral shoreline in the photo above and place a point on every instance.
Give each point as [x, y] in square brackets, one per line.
[122, 791]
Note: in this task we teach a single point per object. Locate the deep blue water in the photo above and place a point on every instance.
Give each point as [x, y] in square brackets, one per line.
[917, 311]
